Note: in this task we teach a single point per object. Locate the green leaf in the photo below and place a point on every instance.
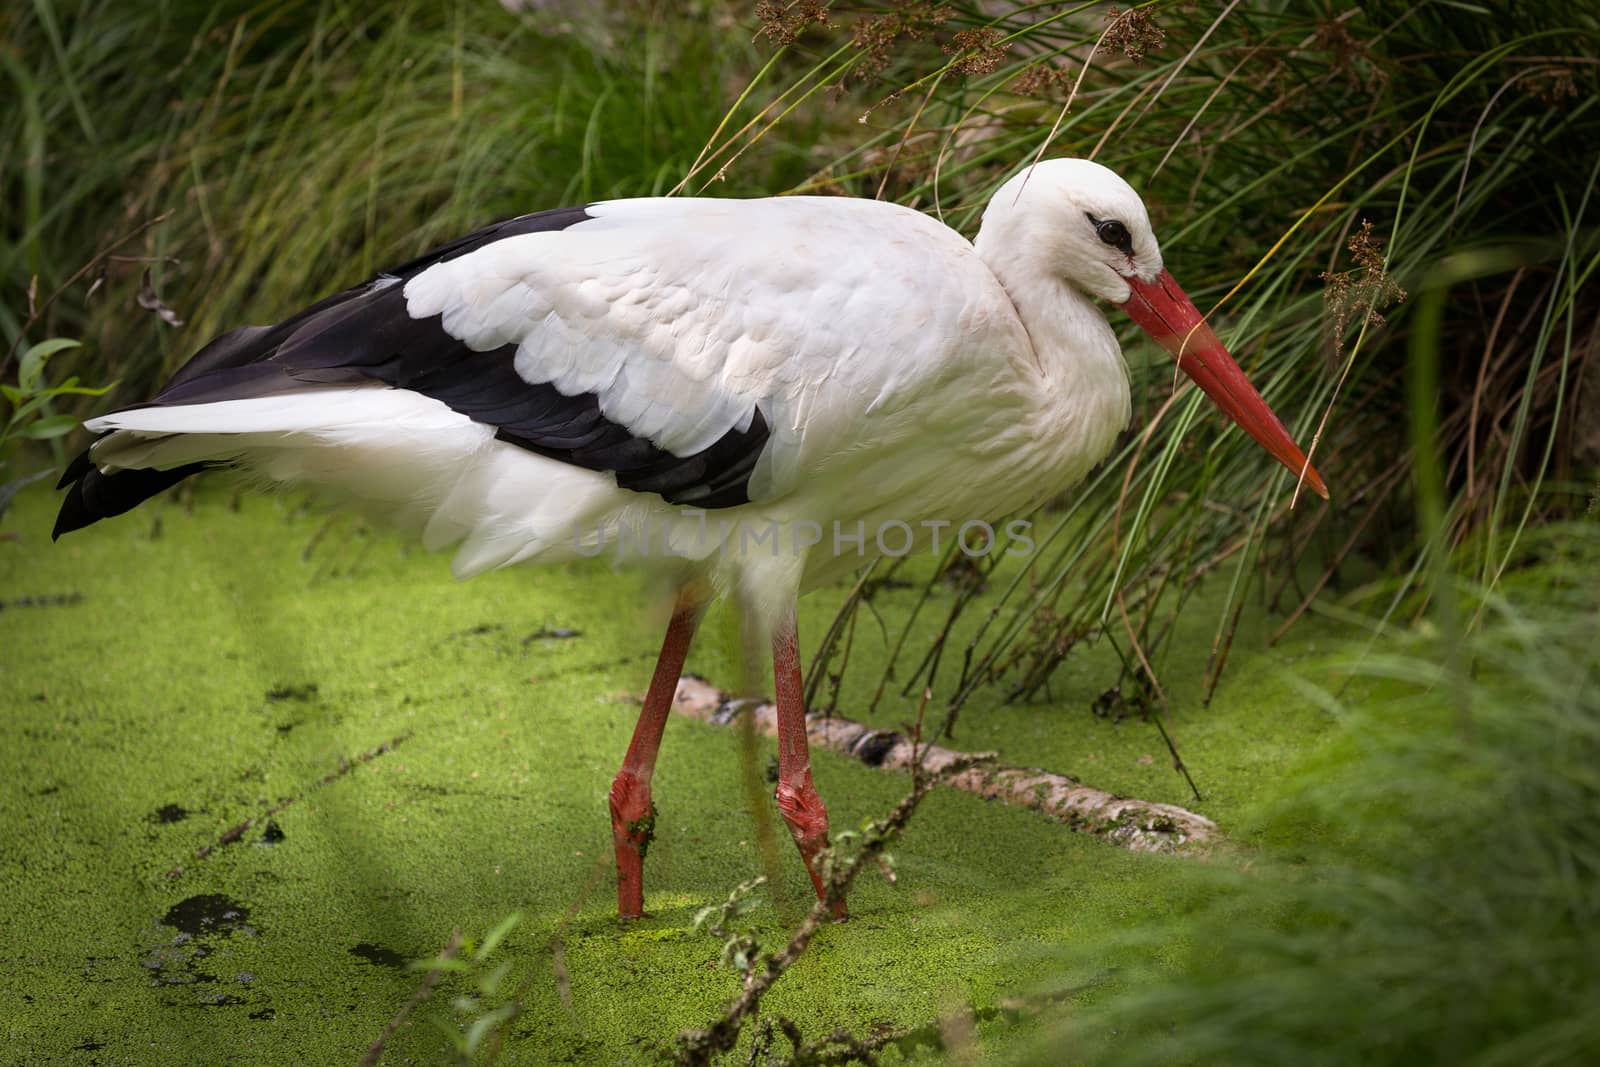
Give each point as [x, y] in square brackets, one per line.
[489, 984]
[452, 965]
[28, 407]
[50, 426]
[493, 938]
[482, 1027]
[452, 1035]
[78, 390]
[31, 369]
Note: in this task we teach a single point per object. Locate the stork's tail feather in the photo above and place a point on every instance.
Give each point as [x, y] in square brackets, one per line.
[93, 495]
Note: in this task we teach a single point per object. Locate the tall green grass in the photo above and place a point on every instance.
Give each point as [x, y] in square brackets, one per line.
[1307, 166]
[1426, 888]
[298, 147]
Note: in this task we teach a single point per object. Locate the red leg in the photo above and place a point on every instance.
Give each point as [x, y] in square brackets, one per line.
[798, 801]
[633, 815]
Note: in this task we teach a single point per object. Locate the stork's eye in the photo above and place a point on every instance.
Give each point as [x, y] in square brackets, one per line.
[1113, 233]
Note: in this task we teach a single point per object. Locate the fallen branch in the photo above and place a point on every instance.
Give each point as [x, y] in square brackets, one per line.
[1138, 825]
[238, 830]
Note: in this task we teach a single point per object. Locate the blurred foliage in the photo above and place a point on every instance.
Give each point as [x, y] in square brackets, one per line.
[298, 147]
[27, 416]
[1426, 893]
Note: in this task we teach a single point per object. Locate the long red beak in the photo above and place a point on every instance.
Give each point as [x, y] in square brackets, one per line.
[1171, 318]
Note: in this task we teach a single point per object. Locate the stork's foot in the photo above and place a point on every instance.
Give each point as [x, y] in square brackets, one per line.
[633, 825]
[807, 817]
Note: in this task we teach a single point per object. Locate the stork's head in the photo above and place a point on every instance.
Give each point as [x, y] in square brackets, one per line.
[1076, 221]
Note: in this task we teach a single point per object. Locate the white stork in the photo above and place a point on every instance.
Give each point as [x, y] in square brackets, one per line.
[798, 374]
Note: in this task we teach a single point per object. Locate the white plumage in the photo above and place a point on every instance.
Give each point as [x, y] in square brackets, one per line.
[895, 372]
[682, 376]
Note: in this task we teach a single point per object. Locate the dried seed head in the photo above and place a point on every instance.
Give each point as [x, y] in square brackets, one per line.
[1551, 85]
[1361, 294]
[977, 51]
[1043, 81]
[783, 23]
[1351, 58]
[1134, 31]
[877, 35]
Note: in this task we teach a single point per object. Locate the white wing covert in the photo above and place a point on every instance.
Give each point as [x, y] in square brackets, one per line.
[691, 321]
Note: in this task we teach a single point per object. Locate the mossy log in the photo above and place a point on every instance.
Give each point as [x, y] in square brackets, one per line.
[1138, 825]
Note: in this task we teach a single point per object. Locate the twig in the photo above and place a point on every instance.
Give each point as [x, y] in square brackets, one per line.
[35, 313]
[237, 831]
[558, 945]
[451, 949]
[830, 640]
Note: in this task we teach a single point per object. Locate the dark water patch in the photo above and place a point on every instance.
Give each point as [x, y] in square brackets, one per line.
[168, 813]
[557, 633]
[273, 834]
[216, 1000]
[207, 913]
[88, 1044]
[379, 956]
[177, 963]
[264, 1014]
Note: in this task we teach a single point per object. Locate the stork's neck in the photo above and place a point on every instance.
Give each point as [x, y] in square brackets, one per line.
[1082, 380]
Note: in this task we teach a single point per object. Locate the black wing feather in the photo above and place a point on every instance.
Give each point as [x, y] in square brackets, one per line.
[366, 334]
